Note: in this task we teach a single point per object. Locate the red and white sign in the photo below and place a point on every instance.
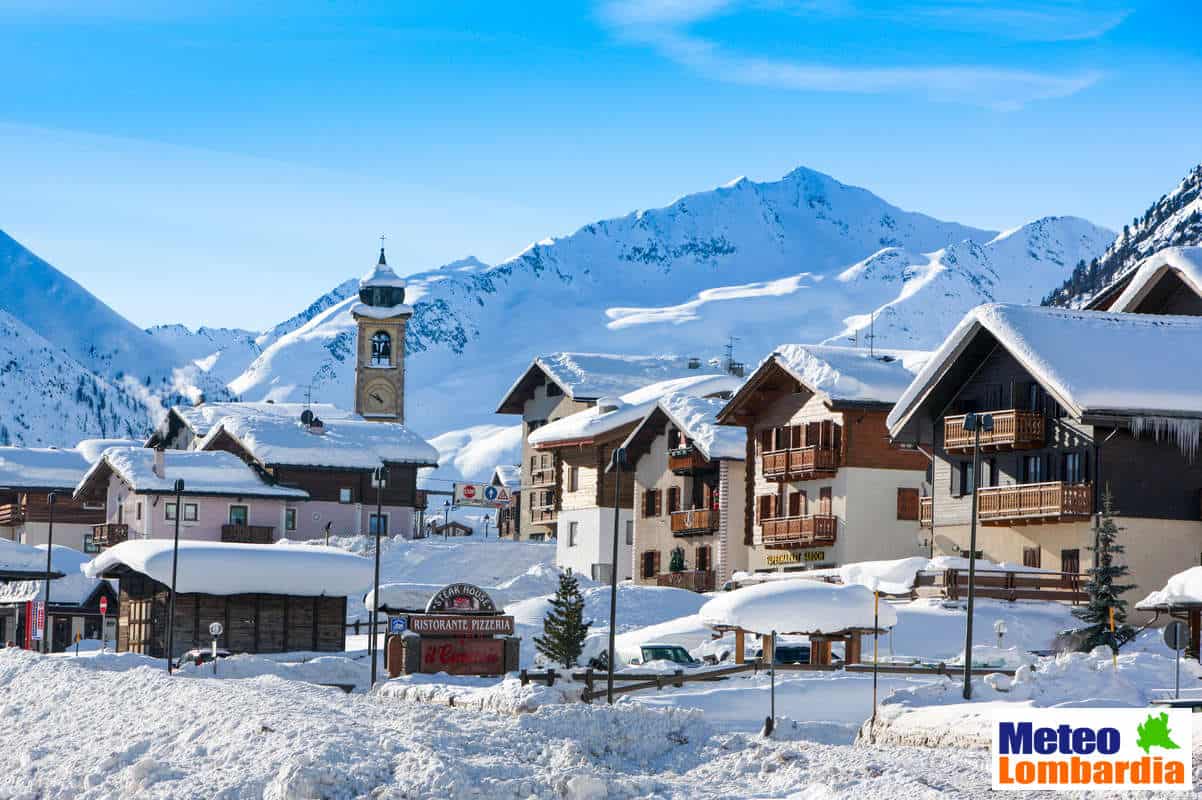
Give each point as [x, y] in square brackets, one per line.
[481, 495]
[104, 605]
[469, 491]
[463, 656]
[37, 615]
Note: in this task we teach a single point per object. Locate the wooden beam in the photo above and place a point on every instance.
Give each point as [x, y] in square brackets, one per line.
[740, 658]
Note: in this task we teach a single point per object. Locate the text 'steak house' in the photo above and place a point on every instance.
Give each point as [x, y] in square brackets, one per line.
[825, 484]
[582, 447]
[1081, 401]
[559, 385]
[690, 495]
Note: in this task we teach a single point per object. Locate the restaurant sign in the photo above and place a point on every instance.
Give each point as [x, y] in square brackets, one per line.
[805, 556]
[455, 625]
[461, 598]
[463, 656]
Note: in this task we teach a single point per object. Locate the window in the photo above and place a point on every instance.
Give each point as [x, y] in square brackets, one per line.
[652, 503]
[138, 510]
[1033, 469]
[673, 438]
[964, 476]
[381, 349]
[573, 478]
[533, 463]
[990, 475]
[344, 495]
[964, 553]
[378, 524]
[630, 532]
[169, 509]
[907, 504]
[289, 518]
[553, 389]
[238, 515]
[824, 501]
[764, 506]
[1074, 467]
[603, 573]
[703, 558]
[795, 504]
[650, 563]
[190, 512]
[89, 544]
[573, 529]
[673, 499]
[1031, 557]
[1070, 561]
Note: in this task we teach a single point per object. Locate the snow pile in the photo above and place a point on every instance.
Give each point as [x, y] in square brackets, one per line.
[592, 422]
[224, 568]
[799, 606]
[507, 696]
[890, 577]
[202, 473]
[74, 588]
[851, 373]
[933, 630]
[1182, 588]
[319, 669]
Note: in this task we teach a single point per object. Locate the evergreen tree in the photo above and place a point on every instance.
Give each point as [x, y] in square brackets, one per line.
[1104, 592]
[564, 628]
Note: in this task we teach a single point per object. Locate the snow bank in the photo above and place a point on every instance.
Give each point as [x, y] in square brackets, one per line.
[891, 577]
[799, 606]
[1182, 588]
[508, 696]
[223, 568]
[320, 669]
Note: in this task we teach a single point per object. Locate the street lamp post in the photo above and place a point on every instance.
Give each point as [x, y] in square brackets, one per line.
[372, 647]
[975, 423]
[179, 512]
[446, 519]
[619, 461]
[46, 643]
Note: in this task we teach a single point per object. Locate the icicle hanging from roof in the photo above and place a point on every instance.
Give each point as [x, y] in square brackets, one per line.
[1184, 431]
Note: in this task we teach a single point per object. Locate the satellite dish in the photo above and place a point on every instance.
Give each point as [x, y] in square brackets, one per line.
[307, 416]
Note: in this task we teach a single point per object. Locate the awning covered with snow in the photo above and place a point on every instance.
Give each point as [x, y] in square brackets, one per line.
[223, 569]
[797, 607]
[23, 562]
[1181, 591]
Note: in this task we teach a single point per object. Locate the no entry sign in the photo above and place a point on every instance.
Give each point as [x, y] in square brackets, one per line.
[104, 605]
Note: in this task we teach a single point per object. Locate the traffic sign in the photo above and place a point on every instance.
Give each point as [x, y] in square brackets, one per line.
[397, 625]
[482, 495]
[1176, 635]
[104, 605]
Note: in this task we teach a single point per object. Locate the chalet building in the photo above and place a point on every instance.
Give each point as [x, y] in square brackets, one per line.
[826, 487]
[690, 495]
[509, 518]
[581, 447]
[28, 475]
[1168, 282]
[559, 385]
[74, 607]
[224, 499]
[268, 599]
[452, 528]
[1081, 401]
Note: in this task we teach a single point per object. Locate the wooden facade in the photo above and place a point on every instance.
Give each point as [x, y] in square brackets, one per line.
[253, 623]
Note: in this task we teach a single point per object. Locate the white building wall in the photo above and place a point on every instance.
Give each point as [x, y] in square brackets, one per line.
[870, 529]
[594, 541]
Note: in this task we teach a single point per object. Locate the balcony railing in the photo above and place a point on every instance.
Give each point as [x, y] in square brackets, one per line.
[926, 511]
[544, 476]
[800, 463]
[697, 580]
[687, 459]
[109, 534]
[953, 585]
[247, 534]
[1012, 430]
[694, 522]
[1034, 503]
[10, 514]
[814, 530]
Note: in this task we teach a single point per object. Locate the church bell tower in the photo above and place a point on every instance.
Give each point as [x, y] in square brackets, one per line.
[381, 316]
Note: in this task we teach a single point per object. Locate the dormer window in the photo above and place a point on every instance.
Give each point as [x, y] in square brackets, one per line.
[381, 349]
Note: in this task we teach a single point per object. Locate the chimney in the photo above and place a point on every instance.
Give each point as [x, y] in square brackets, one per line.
[160, 463]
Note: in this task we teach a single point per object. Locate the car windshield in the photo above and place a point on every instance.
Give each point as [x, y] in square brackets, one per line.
[659, 653]
[792, 655]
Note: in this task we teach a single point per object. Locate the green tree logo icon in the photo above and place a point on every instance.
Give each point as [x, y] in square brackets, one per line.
[1154, 732]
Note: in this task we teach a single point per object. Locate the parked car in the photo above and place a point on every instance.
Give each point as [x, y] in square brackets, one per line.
[660, 651]
[789, 653]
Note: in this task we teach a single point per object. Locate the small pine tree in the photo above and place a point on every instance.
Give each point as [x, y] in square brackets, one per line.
[1104, 592]
[564, 628]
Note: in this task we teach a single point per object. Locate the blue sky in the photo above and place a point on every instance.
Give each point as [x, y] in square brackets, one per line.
[226, 162]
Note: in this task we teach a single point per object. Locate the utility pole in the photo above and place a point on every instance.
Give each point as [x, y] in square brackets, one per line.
[975, 423]
[619, 460]
[46, 643]
[179, 512]
[381, 476]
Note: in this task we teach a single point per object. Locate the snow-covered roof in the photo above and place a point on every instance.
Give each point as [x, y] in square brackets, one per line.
[347, 443]
[1090, 361]
[74, 588]
[696, 418]
[382, 275]
[508, 475]
[201, 419]
[224, 568]
[587, 425]
[1184, 588]
[203, 472]
[896, 576]
[800, 606]
[851, 374]
[41, 468]
[1186, 262]
[17, 558]
[590, 376]
[401, 596]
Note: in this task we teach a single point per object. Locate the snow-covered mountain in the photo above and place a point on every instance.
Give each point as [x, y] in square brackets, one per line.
[805, 258]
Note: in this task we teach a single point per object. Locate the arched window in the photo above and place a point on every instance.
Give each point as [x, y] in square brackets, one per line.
[381, 349]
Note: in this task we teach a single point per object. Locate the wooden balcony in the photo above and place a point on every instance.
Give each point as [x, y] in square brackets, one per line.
[814, 530]
[11, 514]
[685, 460]
[926, 511]
[544, 476]
[800, 463]
[1012, 430]
[247, 534]
[953, 585]
[697, 580]
[694, 522]
[109, 534]
[1034, 503]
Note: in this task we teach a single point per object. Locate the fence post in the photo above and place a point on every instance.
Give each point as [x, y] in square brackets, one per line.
[679, 683]
[524, 677]
[551, 677]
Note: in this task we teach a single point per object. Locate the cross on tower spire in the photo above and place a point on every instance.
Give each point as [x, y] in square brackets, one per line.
[382, 261]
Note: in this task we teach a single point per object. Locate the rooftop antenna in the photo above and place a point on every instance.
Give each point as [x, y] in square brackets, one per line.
[730, 352]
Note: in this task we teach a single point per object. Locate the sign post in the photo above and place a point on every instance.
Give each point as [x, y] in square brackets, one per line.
[215, 630]
[104, 631]
[1176, 635]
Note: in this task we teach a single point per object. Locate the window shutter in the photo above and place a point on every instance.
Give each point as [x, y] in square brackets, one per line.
[824, 501]
[957, 478]
[659, 503]
[813, 432]
[805, 502]
[655, 562]
[765, 440]
[765, 507]
[795, 504]
[907, 504]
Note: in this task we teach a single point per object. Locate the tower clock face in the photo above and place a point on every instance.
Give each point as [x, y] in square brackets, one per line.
[379, 398]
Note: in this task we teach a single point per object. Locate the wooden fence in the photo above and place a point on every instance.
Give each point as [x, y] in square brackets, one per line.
[953, 583]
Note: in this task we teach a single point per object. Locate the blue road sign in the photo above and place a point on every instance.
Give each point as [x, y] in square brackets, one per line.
[397, 625]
